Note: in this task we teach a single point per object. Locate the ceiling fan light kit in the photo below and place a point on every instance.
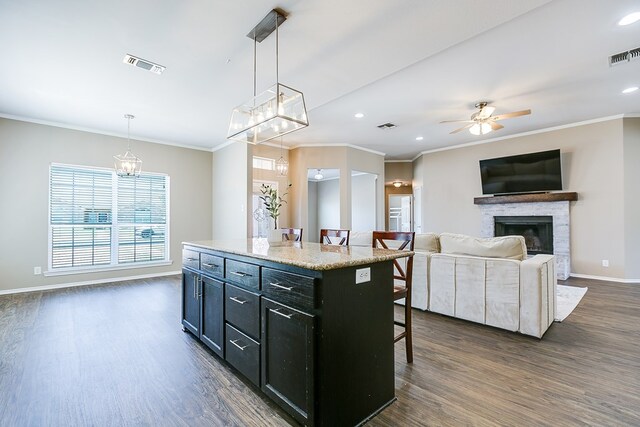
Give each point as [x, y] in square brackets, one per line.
[278, 110]
[483, 121]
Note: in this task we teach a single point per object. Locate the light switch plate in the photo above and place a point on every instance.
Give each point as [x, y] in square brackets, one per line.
[363, 275]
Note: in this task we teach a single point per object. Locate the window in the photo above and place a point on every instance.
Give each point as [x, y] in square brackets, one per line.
[98, 219]
[264, 163]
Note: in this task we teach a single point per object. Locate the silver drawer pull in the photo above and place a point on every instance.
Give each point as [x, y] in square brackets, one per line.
[192, 259]
[240, 273]
[210, 265]
[235, 342]
[239, 301]
[277, 311]
[279, 286]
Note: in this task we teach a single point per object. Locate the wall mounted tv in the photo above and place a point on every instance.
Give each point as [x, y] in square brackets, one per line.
[524, 173]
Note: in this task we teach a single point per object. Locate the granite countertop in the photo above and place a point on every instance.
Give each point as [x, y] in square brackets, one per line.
[312, 256]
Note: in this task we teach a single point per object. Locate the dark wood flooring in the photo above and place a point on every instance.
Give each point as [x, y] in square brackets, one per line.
[115, 355]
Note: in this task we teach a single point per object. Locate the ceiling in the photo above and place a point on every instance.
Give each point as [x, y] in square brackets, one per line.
[413, 63]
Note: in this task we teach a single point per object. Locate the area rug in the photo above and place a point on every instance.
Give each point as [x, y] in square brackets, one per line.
[567, 299]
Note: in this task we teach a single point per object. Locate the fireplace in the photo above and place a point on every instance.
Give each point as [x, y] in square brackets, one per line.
[536, 230]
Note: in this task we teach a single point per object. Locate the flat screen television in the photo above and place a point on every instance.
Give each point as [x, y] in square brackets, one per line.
[524, 173]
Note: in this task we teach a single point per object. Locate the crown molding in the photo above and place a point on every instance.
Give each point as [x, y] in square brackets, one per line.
[398, 161]
[99, 132]
[379, 153]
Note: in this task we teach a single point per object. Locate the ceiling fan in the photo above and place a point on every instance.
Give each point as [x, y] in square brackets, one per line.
[482, 121]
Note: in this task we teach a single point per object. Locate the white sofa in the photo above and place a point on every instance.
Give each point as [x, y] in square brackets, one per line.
[489, 281]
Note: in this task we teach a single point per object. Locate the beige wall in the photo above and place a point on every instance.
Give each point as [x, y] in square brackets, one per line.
[632, 197]
[27, 150]
[346, 159]
[232, 172]
[592, 166]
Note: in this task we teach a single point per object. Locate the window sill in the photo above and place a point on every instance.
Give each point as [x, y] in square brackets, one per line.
[84, 270]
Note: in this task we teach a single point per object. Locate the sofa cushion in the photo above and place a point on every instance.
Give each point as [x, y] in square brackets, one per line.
[427, 242]
[511, 247]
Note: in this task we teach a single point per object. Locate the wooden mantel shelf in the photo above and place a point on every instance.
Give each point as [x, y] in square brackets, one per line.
[526, 198]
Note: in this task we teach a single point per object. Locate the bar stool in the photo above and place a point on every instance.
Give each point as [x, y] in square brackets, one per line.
[402, 240]
[294, 234]
[334, 237]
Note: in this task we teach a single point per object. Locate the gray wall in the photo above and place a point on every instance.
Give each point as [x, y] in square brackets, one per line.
[593, 166]
[313, 234]
[632, 197]
[27, 150]
[328, 206]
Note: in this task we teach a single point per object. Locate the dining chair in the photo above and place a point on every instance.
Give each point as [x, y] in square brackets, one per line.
[402, 275]
[334, 237]
[293, 234]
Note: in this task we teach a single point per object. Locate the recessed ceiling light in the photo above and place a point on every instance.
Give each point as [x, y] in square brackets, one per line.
[358, 115]
[630, 19]
[419, 138]
[630, 89]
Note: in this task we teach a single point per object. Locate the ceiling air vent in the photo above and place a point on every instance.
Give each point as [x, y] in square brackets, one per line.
[622, 57]
[143, 63]
[386, 126]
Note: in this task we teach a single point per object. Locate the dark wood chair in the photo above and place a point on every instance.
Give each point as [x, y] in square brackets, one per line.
[334, 237]
[400, 240]
[293, 234]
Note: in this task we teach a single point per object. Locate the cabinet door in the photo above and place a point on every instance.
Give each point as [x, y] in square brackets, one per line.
[212, 314]
[288, 359]
[190, 302]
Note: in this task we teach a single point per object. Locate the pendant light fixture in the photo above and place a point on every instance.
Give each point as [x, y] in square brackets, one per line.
[282, 166]
[275, 112]
[128, 164]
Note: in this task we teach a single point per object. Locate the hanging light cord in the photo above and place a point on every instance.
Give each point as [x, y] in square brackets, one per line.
[277, 19]
[254, 63]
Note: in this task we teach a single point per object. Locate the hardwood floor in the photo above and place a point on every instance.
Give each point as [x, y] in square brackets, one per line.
[116, 355]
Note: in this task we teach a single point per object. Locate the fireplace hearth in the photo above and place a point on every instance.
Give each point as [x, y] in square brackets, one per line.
[536, 230]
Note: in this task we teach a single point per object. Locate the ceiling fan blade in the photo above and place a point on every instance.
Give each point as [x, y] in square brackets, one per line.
[510, 115]
[462, 128]
[457, 121]
[494, 125]
[485, 112]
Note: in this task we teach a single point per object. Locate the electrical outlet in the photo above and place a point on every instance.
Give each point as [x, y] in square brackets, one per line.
[37, 270]
[363, 275]
[605, 263]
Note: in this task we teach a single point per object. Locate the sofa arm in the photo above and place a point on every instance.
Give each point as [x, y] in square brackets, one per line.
[537, 294]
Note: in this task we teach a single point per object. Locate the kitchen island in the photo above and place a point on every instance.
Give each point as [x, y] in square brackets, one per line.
[311, 325]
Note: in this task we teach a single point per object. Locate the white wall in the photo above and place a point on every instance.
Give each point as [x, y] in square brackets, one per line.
[232, 181]
[26, 152]
[363, 202]
[632, 197]
[313, 234]
[328, 206]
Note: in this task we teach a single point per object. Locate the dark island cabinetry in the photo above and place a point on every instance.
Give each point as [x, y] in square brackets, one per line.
[313, 340]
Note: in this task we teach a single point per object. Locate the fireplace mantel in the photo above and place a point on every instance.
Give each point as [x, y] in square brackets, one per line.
[526, 198]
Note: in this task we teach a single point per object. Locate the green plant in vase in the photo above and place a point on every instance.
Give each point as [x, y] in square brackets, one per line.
[272, 202]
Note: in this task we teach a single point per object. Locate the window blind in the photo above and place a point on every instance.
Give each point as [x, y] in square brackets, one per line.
[100, 219]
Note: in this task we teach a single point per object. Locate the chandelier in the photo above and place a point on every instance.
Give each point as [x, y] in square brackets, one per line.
[128, 164]
[278, 110]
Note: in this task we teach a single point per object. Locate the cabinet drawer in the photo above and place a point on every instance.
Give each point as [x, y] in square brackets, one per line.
[289, 288]
[211, 264]
[191, 259]
[243, 273]
[243, 353]
[242, 310]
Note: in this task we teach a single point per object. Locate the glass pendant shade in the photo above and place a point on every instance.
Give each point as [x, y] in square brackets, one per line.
[128, 164]
[282, 167]
[480, 129]
[275, 112]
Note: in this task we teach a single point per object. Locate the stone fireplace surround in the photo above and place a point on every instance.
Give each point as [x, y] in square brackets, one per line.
[533, 205]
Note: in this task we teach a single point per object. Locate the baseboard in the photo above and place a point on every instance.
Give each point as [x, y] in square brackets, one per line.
[86, 283]
[608, 279]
